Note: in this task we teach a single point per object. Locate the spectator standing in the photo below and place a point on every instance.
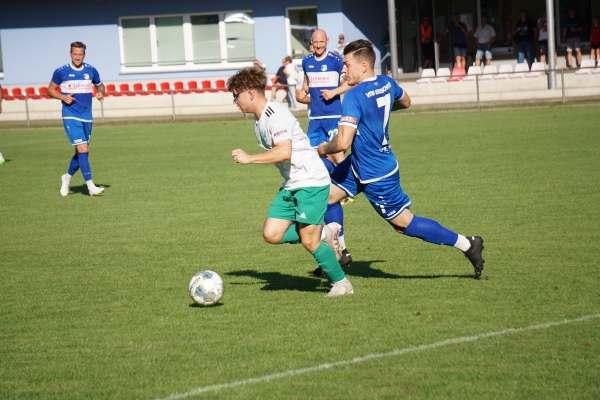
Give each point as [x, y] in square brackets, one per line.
[427, 43]
[280, 78]
[485, 36]
[571, 35]
[76, 80]
[341, 44]
[524, 35]
[595, 40]
[459, 33]
[291, 73]
[542, 27]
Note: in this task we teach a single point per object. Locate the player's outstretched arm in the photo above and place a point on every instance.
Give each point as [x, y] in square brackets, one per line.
[280, 152]
[338, 91]
[402, 104]
[340, 142]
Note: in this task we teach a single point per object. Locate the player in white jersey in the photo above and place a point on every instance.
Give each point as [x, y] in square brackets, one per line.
[296, 215]
[372, 168]
[75, 81]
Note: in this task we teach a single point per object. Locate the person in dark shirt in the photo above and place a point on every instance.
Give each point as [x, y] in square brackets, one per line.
[459, 40]
[280, 78]
[524, 35]
[571, 35]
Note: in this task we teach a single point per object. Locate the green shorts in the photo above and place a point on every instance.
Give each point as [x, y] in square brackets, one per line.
[305, 205]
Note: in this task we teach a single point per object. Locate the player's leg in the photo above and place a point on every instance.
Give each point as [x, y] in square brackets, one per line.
[390, 201]
[569, 56]
[311, 204]
[84, 162]
[66, 178]
[2, 160]
[343, 186]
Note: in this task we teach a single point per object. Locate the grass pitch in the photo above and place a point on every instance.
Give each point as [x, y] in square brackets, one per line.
[93, 294]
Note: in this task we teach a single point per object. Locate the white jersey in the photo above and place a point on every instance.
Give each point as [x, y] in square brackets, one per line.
[305, 168]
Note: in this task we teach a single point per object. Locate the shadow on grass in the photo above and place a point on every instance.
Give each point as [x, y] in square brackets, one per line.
[364, 269]
[195, 305]
[83, 189]
[279, 281]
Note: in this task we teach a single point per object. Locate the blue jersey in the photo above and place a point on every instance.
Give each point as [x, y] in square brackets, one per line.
[324, 74]
[367, 108]
[78, 81]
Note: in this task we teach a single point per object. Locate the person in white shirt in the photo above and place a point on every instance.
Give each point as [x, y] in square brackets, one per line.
[292, 78]
[485, 36]
[296, 214]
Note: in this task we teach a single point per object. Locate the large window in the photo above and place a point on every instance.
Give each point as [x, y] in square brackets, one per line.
[186, 42]
[301, 22]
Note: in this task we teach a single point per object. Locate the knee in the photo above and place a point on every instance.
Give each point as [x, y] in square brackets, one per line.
[272, 237]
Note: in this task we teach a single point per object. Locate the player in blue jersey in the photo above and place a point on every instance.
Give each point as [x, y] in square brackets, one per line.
[324, 85]
[296, 214]
[372, 168]
[75, 81]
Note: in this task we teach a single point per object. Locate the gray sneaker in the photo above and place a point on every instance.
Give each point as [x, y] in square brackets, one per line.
[332, 239]
[340, 288]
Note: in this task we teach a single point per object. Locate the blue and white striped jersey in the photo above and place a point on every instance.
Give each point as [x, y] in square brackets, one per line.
[78, 81]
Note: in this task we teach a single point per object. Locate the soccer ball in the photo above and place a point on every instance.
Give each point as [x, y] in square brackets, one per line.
[206, 288]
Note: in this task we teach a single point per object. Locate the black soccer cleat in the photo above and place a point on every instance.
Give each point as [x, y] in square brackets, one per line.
[346, 259]
[474, 254]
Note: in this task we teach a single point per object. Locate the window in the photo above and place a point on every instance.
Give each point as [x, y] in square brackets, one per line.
[186, 42]
[301, 23]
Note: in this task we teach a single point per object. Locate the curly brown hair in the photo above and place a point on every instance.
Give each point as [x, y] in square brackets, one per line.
[247, 78]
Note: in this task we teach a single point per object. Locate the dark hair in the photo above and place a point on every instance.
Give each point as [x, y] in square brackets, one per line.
[78, 45]
[362, 50]
[247, 78]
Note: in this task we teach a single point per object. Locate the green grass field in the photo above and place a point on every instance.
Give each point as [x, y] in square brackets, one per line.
[93, 291]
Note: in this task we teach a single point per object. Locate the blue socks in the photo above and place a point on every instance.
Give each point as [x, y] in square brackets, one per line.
[335, 213]
[430, 231]
[84, 164]
[74, 166]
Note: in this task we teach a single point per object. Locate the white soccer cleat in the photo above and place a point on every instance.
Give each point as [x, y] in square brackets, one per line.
[332, 239]
[341, 288]
[95, 191]
[64, 187]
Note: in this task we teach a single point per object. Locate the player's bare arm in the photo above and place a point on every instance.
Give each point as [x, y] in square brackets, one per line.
[338, 91]
[401, 104]
[52, 92]
[100, 92]
[281, 152]
[302, 95]
[340, 142]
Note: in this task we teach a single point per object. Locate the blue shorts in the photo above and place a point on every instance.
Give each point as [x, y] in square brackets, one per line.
[78, 132]
[321, 130]
[386, 195]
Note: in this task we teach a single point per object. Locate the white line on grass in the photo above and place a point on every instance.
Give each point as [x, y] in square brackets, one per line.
[294, 372]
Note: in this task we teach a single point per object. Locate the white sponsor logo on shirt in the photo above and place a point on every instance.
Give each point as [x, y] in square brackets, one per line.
[323, 79]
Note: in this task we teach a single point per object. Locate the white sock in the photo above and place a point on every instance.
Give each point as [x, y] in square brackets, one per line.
[323, 232]
[90, 185]
[68, 177]
[342, 242]
[462, 243]
[1, 158]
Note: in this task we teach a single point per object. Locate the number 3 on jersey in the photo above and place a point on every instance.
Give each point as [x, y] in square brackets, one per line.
[385, 102]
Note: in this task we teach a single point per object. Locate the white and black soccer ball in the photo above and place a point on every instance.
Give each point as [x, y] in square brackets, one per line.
[206, 288]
